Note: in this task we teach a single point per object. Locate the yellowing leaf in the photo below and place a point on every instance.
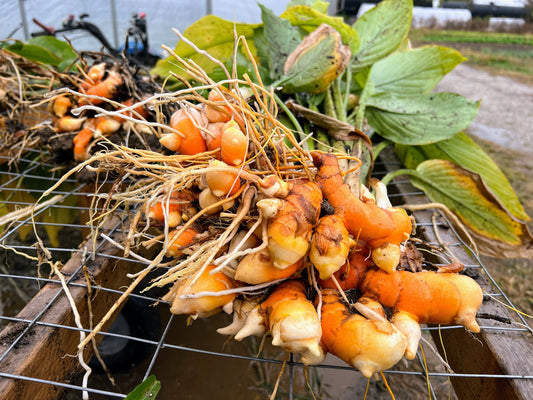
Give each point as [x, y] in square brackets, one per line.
[464, 193]
[53, 217]
[309, 19]
[316, 62]
[15, 199]
[463, 151]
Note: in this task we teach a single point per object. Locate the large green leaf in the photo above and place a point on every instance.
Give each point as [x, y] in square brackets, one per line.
[413, 72]
[212, 34]
[424, 119]
[382, 30]
[57, 47]
[464, 194]
[463, 151]
[281, 38]
[34, 53]
[309, 19]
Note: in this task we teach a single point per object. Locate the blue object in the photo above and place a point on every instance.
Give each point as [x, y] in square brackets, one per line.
[132, 49]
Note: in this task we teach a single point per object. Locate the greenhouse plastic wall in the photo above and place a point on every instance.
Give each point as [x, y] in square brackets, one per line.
[162, 16]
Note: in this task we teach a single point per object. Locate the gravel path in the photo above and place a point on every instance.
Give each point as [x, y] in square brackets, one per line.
[506, 112]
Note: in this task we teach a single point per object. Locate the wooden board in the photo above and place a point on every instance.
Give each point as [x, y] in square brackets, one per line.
[44, 352]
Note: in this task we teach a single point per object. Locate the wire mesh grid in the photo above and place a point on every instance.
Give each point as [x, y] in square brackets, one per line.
[182, 357]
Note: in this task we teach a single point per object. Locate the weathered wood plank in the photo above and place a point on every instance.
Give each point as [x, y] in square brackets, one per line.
[45, 351]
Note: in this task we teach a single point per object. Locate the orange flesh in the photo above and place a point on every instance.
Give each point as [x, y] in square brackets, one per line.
[206, 282]
[350, 274]
[103, 90]
[177, 243]
[285, 300]
[429, 296]
[61, 105]
[193, 142]
[178, 201]
[68, 123]
[106, 88]
[214, 140]
[367, 221]
[234, 145]
[222, 183]
[258, 268]
[291, 228]
[107, 125]
[334, 315]
[81, 143]
[96, 72]
[220, 112]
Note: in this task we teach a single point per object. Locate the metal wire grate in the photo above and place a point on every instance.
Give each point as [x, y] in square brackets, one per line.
[194, 361]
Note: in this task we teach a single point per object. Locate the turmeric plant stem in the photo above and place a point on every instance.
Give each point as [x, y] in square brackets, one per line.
[391, 175]
[292, 117]
[378, 148]
[329, 106]
[346, 100]
[322, 140]
[360, 117]
[338, 101]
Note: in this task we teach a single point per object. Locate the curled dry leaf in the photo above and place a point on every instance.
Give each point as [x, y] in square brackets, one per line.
[316, 62]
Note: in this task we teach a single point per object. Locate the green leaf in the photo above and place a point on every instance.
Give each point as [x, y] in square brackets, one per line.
[212, 34]
[413, 72]
[281, 40]
[463, 151]
[57, 47]
[34, 53]
[382, 30]
[320, 6]
[464, 194]
[309, 19]
[147, 390]
[410, 155]
[420, 120]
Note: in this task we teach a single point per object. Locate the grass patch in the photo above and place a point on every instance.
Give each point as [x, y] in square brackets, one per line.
[507, 54]
[515, 64]
[430, 35]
